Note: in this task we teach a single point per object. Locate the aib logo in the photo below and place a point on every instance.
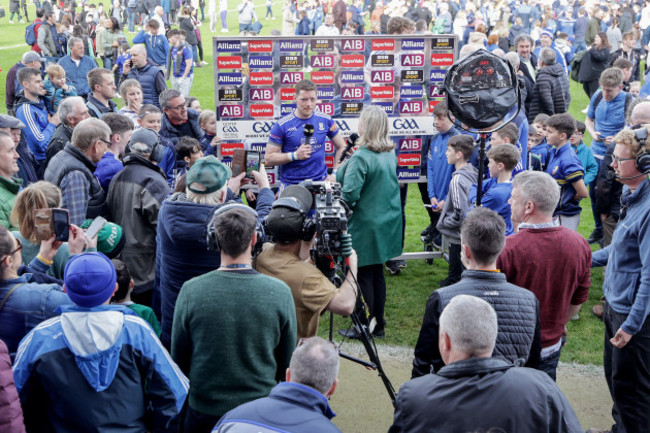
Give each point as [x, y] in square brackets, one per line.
[262, 127]
[405, 124]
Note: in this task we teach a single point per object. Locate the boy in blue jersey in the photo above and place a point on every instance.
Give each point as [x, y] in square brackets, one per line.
[287, 148]
[542, 148]
[438, 169]
[508, 134]
[497, 190]
[565, 167]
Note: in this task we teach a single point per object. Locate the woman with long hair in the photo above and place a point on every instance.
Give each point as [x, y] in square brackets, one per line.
[110, 41]
[369, 186]
[594, 62]
[185, 23]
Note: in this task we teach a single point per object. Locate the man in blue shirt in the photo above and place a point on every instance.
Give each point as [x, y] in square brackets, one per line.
[157, 45]
[287, 148]
[627, 287]
[565, 167]
[605, 118]
[77, 65]
[181, 62]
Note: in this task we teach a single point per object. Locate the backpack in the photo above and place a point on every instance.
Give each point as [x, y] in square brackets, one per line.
[628, 98]
[575, 65]
[30, 33]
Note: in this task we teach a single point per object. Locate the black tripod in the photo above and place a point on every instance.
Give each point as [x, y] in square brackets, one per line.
[365, 335]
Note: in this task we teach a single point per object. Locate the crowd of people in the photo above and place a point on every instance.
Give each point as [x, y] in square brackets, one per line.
[191, 309]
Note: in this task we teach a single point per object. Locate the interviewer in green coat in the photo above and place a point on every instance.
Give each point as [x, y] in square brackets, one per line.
[369, 186]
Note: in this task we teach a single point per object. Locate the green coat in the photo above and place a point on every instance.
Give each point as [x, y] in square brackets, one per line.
[370, 188]
[8, 191]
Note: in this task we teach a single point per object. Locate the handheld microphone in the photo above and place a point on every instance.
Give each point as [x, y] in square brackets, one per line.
[352, 139]
[308, 130]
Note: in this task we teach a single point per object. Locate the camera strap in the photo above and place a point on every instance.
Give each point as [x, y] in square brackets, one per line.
[13, 289]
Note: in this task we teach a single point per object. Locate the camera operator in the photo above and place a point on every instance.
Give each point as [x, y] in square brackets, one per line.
[313, 292]
[369, 186]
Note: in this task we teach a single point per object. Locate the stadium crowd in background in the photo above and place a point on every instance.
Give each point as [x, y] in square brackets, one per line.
[178, 223]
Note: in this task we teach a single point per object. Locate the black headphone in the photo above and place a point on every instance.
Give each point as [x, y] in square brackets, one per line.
[211, 237]
[157, 151]
[308, 226]
[642, 160]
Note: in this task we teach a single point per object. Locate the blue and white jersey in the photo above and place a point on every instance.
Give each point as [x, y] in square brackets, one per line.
[288, 134]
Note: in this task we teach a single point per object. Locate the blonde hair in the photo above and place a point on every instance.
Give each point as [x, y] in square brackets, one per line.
[628, 139]
[205, 115]
[55, 71]
[375, 135]
[127, 84]
[38, 195]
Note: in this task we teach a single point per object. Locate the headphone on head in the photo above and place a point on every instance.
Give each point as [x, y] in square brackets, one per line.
[642, 160]
[308, 226]
[212, 240]
[157, 151]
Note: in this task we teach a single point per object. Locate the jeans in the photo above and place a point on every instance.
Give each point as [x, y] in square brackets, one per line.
[108, 62]
[579, 46]
[195, 53]
[130, 18]
[244, 27]
[628, 375]
[269, 11]
[549, 365]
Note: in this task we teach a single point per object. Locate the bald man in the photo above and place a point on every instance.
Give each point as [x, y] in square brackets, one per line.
[149, 75]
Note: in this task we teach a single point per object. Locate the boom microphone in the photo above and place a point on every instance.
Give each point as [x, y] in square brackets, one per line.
[617, 177]
[351, 140]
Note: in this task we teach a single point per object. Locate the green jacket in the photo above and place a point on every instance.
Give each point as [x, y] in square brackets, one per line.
[370, 188]
[8, 191]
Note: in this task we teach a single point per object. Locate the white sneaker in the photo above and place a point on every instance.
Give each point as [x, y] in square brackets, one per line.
[585, 110]
[204, 62]
[224, 30]
[11, 22]
[307, 70]
[22, 21]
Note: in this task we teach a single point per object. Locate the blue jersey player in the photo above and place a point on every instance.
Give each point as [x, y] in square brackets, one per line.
[298, 158]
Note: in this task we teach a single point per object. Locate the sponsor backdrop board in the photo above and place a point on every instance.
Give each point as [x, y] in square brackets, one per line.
[255, 78]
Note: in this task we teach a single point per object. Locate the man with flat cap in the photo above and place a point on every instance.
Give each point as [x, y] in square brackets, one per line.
[26, 162]
[97, 367]
[312, 292]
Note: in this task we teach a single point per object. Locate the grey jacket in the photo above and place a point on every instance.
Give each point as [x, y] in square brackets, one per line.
[457, 202]
[46, 41]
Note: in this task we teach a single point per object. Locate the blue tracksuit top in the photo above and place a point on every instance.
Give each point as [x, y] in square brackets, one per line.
[565, 167]
[438, 169]
[495, 197]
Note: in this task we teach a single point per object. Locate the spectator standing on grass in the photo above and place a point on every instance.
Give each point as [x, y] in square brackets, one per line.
[328, 28]
[535, 196]
[46, 37]
[230, 358]
[102, 91]
[30, 59]
[519, 339]
[156, 43]
[627, 286]
[71, 111]
[551, 93]
[181, 59]
[177, 119]
[299, 404]
[605, 118]
[247, 15]
[111, 162]
[30, 109]
[150, 76]
[594, 62]
[77, 65]
[73, 169]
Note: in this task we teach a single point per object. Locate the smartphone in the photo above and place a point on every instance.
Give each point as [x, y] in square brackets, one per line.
[252, 162]
[95, 227]
[245, 160]
[51, 221]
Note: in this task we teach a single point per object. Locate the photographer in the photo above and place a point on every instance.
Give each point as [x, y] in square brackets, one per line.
[369, 186]
[312, 292]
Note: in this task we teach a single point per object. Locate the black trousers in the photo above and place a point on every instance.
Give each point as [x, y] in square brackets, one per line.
[627, 372]
[373, 287]
[198, 422]
[456, 267]
[433, 216]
